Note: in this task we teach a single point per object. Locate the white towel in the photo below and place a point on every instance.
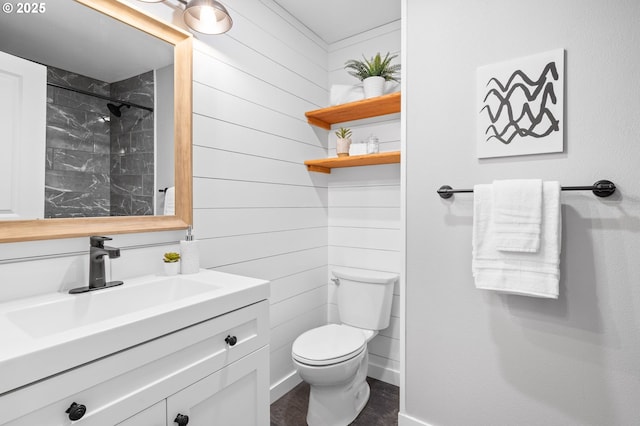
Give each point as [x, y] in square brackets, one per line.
[170, 201]
[517, 214]
[530, 274]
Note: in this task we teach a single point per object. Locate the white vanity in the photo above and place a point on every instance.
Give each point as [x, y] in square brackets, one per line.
[156, 351]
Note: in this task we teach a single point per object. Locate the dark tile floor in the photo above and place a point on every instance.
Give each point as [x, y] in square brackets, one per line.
[381, 410]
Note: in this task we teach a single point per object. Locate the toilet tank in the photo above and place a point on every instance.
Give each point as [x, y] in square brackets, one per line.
[364, 298]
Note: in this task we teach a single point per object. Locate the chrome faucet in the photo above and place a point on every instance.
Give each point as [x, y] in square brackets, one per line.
[97, 276]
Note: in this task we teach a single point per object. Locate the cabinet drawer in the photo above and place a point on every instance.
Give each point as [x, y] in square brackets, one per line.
[116, 387]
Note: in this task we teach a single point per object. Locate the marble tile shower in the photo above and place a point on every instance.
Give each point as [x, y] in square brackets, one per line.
[131, 135]
[98, 164]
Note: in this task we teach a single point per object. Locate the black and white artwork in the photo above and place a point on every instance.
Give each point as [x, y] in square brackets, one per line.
[521, 106]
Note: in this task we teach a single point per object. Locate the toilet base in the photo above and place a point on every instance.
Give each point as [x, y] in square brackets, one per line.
[339, 405]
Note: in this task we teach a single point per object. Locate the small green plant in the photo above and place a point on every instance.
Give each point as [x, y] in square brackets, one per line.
[171, 257]
[343, 133]
[374, 67]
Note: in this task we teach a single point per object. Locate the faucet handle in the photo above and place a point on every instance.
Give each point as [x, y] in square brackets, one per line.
[98, 241]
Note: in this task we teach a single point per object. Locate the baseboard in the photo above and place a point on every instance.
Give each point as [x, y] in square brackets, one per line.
[405, 420]
[384, 374]
[284, 386]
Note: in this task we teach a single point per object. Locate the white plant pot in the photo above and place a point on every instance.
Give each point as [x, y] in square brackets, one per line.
[171, 268]
[342, 147]
[373, 86]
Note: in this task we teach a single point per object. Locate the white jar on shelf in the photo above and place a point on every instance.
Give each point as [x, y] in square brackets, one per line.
[373, 145]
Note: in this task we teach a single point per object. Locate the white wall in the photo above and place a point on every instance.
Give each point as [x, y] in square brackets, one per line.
[257, 211]
[479, 358]
[364, 202]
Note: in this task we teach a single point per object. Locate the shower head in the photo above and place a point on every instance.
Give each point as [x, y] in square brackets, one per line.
[115, 110]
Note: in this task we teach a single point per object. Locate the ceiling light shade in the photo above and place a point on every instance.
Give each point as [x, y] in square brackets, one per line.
[207, 16]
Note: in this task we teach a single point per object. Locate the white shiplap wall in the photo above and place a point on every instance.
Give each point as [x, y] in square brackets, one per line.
[364, 202]
[257, 210]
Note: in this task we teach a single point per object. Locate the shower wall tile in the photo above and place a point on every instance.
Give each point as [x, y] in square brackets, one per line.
[75, 204]
[81, 101]
[137, 164]
[142, 142]
[60, 136]
[132, 148]
[98, 164]
[71, 119]
[80, 161]
[130, 205]
[141, 205]
[77, 81]
[49, 159]
[139, 89]
[126, 185]
[76, 194]
[101, 144]
[120, 205]
[77, 180]
[71, 181]
[148, 185]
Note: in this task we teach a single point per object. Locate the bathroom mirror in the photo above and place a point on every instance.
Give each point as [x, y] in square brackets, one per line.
[22, 158]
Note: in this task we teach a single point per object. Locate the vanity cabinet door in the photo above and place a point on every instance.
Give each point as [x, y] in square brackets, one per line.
[152, 416]
[237, 395]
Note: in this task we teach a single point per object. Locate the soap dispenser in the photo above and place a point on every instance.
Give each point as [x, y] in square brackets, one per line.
[189, 254]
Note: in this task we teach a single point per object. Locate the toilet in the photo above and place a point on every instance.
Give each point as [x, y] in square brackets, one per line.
[333, 358]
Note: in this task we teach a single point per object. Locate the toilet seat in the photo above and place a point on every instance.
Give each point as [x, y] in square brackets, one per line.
[329, 344]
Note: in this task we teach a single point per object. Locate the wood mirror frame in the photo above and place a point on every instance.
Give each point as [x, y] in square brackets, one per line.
[43, 229]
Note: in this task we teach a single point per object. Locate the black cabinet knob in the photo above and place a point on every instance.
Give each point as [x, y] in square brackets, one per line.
[76, 411]
[231, 340]
[182, 420]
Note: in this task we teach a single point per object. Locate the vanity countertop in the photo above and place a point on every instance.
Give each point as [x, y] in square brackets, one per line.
[49, 334]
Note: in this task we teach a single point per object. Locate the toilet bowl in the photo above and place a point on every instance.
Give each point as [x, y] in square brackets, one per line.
[333, 358]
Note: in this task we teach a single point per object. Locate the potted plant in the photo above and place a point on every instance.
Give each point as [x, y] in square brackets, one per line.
[343, 142]
[171, 263]
[373, 72]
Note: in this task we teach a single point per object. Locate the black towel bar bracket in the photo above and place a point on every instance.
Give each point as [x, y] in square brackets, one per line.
[602, 188]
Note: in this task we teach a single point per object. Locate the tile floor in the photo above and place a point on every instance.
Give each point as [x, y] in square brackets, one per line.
[381, 410]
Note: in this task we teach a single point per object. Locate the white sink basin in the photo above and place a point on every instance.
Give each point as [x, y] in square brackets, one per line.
[63, 314]
[49, 334]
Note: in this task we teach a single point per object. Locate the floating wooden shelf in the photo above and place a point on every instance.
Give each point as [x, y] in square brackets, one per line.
[366, 108]
[324, 165]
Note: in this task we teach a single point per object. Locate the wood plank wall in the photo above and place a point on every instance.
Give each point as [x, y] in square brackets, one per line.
[257, 210]
[364, 202]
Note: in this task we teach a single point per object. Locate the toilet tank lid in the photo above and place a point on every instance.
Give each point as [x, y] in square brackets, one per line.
[374, 277]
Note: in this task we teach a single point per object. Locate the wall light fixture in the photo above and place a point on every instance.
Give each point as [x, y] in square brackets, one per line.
[204, 16]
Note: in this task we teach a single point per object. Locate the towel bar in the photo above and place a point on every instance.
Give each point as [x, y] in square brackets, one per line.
[602, 188]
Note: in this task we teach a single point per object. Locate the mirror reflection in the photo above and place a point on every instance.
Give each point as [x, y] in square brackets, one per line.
[106, 145]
